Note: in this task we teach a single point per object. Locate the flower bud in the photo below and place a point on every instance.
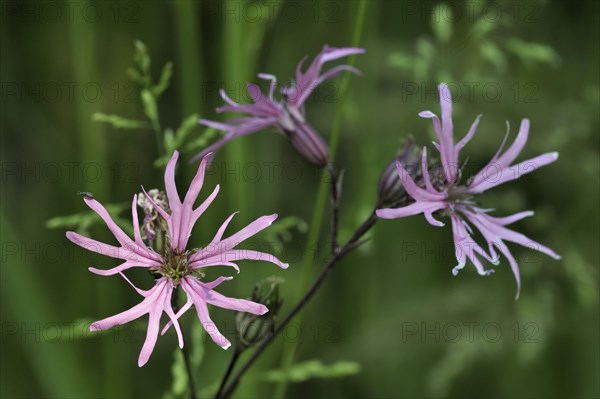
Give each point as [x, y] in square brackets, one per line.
[309, 144]
[252, 329]
[389, 188]
[303, 137]
[151, 219]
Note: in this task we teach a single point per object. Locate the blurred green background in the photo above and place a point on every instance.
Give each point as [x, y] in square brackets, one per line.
[392, 308]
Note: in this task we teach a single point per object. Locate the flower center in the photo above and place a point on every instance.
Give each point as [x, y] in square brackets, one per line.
[457, 200]
[175, 266]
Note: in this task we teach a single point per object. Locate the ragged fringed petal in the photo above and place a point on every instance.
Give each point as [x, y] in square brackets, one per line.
[189, 216]
[306, 82]
[227, 257]
[219, 300]
[461, 144]
[129, 252]
[494, 174]
[130, 248]
[97, 207]
[507, 234]
[418, 193]
[175, 205]
[467, 249]
[156, 301]
[232, 241]
[495, 234]
[499, 169]
[190, 286]
[234, 130]
[183, 215]
[425, 207]
[444, 132]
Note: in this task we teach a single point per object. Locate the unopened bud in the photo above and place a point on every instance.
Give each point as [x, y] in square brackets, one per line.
[151, 219]
[304, 138]
[389, 188]
[309, 144]
[252, 329]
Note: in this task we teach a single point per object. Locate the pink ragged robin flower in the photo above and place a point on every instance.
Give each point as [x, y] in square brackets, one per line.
[287, 114]
[454, 200]
[177, 266]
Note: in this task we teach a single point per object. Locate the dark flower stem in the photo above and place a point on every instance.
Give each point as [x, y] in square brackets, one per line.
[335, 204]
[351, 244]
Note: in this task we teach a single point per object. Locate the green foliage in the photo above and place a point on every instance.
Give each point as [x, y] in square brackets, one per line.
[176, 140]
[282, 230]
[179, 376]
[441, 22]
[532, 53]
[310, 369]
[486, 40]
[180, 384]
[150, 108]
[167, 141]
[81, 222]
[119, 122]
[197, 352]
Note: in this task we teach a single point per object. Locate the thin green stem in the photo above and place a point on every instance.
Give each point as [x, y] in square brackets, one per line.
[289, 352]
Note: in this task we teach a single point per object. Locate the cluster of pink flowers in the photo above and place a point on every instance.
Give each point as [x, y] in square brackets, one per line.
[177, 266]
[180, 266]
[452, 199]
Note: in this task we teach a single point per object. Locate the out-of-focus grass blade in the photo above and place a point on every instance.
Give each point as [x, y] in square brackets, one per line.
[310, 369]
[56, 367]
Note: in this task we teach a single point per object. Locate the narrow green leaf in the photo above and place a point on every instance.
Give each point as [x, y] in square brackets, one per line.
[81, 222]
[492, 53]
[119, 122]
[170, 141]
[141, 57]
[179, 375]
[149, 103]
[441, 22]
[531, 53]
[134, 75]
[281, 230]
[202, 140]
[164, 80]
[402, 61]
[186, 127]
